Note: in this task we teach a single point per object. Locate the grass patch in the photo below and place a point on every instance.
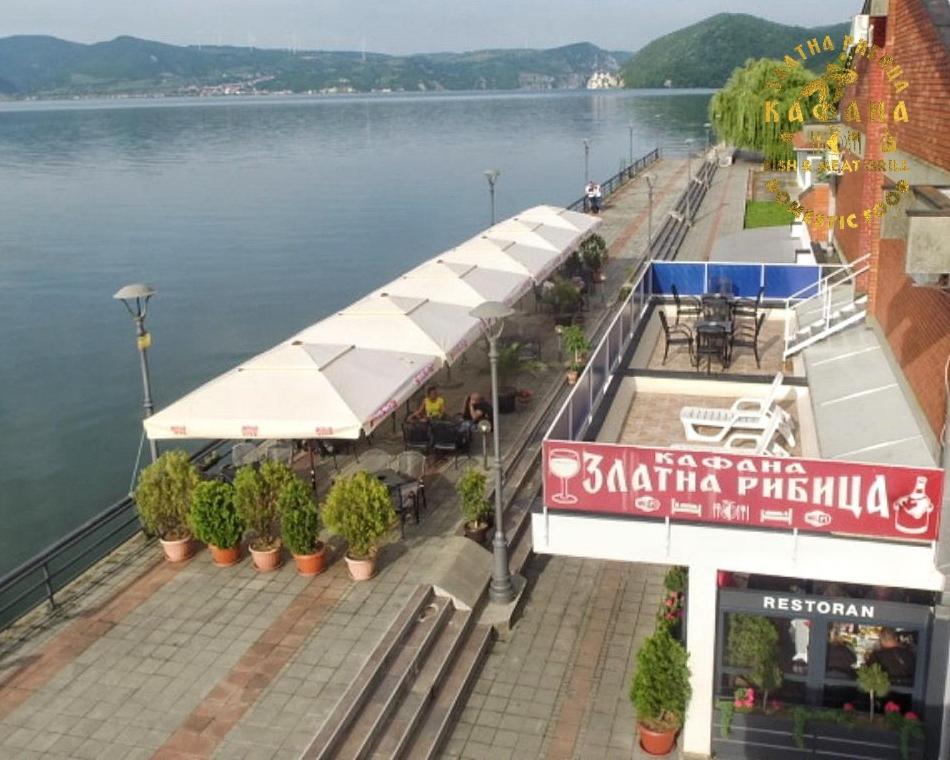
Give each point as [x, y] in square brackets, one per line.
[766, 214]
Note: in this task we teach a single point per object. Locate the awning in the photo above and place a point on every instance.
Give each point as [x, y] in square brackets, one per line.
[459, 284]
[508, 256]
[297, 390]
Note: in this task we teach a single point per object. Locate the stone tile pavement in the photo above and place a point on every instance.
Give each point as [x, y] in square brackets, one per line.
[558, 688]
[722, 212]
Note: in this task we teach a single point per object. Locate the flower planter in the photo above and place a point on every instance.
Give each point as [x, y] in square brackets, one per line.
[771, 737]
[571, 376]
[656, 742]
[178, 551]
[311, 564]
[225, 557]
[477, 534]
[268, 559]
[361, 569]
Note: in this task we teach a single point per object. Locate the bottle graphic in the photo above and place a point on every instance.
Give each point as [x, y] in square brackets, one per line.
[912, 512]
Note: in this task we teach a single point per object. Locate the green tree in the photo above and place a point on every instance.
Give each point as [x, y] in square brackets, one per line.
[299, 519]
[360, 509]
[163, 495]
[738, 114]
[255, 496]
[873, 681]
[753, 644]
[660, 690]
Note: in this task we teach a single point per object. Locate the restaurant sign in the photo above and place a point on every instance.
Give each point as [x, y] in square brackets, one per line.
[827, 496]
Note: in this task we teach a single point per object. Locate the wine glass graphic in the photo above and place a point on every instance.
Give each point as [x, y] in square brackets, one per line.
[564, 464]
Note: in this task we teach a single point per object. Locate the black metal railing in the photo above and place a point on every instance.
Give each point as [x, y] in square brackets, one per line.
[619, 179]
[667, 242]
[40, 578]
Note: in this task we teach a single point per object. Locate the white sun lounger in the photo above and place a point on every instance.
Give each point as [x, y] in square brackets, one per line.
[744, 414]
[763, 442]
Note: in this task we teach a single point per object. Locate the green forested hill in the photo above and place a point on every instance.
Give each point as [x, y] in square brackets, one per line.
[704, 54]
[47, 66]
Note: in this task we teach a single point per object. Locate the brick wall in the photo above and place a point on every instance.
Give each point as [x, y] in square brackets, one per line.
[916, 322]
[817, 198]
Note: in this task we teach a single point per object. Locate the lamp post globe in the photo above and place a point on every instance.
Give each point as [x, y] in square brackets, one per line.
[492, 176]
[135, 298]
[492, 315]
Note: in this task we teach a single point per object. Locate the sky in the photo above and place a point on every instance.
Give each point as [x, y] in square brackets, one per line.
[394, 26]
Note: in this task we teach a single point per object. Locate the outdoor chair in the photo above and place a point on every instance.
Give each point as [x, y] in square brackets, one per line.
[721, 286]
[243, 453]
[745, 413]
[763, 442]
[448, 437]
[748, 307]
[374, 460]
[712, 341]
[747, 336]
[675, 335]
[277, 451]
[715, 308]
[333, 447]
[417, 435]
[412, 464]
[686, 306]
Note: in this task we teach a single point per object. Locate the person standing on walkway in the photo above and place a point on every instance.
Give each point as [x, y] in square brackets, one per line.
[597, 198]
[589, 197]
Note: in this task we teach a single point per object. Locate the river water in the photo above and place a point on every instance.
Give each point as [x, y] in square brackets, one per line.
[252, 217]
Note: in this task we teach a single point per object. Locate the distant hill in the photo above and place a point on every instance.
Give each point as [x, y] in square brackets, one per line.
[704, 54]
[51, 67]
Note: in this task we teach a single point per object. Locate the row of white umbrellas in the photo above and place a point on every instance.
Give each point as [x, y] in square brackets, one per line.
[345, 374]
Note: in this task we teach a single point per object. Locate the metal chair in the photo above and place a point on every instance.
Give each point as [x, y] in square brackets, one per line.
[447, 436]
[243, 453]
[747, 336]
[715, 308]
[748, 307]
[416, 434]
[412, 464]
[687, 306]
[712, 342]
[676, 335]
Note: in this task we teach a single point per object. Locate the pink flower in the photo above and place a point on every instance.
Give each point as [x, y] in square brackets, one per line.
[847, 707]
[892, 707]
[669, 602]
[911, 716]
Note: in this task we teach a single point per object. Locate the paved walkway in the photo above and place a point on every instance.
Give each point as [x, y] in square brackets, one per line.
[722, 212]
[147, 659]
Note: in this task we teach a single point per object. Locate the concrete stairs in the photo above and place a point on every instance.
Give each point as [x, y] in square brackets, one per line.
[406, 697]
[844, 308]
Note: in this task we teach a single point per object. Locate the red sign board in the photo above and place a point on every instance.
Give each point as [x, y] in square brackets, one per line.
[779, 493]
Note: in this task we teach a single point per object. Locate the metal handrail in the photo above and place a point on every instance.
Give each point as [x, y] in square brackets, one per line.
[57, 565]
[611, 185]
[848, 268]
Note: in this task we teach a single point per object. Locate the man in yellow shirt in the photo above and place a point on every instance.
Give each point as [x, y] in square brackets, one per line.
[432, 406]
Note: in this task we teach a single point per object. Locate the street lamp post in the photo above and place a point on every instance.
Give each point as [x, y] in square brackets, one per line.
[492, 176]
[492, 315]
[657, 130]
[586, 160]
[707, 126]
[139, 295]
[630, 129]
[689, 174]
[651, 181]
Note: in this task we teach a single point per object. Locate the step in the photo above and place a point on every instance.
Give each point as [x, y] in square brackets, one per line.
[834, 327]
[366, 729]
[336, 726]
[444, 710]
[401, 727]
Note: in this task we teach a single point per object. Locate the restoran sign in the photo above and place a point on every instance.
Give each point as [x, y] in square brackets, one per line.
[827, 496]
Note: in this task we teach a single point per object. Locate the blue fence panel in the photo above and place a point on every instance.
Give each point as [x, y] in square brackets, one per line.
[782, 280]
[739, 279]
[689, 279]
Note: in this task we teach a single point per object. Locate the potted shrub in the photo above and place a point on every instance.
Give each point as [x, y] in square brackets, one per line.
[474, 504]
[255, 496]
[300, 527]
[163, 498]
[360, 509]
[576, 345]
[214, 520]
[565, 301]
[754, 644]
[660, 691]
[509, 364]
[873, 681]
[593, 253]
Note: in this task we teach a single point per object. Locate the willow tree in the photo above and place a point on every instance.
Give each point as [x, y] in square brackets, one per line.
[738, 110]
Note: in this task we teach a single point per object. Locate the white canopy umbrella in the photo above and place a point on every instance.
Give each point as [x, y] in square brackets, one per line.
[507, 256]
[535, 234]
[459, 284]
[396, 323]
[560, 217]
[297, 390]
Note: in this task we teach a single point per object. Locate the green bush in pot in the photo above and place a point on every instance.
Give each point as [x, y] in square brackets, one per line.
[661, 690]
[255, 496]
[299, 518]
[163, 495]
[360, 509]
[213, 517]
[473, 499]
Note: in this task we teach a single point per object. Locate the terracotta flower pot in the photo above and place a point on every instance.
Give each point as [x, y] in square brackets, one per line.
[225, 557]
[571, 376]
[178, 551]
[311, 564]
[267, 559]
[656, 742]
[361, 569]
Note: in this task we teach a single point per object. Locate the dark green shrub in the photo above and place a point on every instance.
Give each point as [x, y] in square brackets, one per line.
[299, 519]
[359, 509]
[213, 516]
[473, 500]
[753, 644]
[255, 496]
[163, 495]
[660, 691]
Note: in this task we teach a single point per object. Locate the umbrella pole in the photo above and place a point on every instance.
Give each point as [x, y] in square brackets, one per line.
[313, 467]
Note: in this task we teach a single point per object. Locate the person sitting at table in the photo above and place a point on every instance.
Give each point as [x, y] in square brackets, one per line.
[475, 410]
[894, 657]
[432, 406]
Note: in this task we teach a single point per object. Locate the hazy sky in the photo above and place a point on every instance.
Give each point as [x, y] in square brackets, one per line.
[394, 26]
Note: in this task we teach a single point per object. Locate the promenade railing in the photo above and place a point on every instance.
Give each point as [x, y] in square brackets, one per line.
[614, 183]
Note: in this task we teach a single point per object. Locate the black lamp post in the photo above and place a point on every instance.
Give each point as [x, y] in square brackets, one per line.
[492, 176]
[138, 295]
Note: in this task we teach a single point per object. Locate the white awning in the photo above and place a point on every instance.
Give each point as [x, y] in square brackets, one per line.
[297, 390]
[508, 256]
[459, 284]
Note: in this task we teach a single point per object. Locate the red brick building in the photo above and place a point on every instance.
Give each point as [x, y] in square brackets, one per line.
[906, 60]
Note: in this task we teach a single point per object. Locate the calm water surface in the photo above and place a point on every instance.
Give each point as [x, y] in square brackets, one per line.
[252, 218]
